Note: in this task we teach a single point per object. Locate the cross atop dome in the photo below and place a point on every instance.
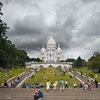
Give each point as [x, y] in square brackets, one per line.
[51, 33]
[51, 42]
[43, 45]
[58, 45]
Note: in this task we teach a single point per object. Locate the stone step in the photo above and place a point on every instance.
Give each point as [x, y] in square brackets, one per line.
[68, 94]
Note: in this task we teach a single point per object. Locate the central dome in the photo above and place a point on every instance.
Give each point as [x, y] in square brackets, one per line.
[51, 41]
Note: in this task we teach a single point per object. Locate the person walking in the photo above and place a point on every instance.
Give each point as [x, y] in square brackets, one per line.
[66, 84]
[36, 95]
[96, 83]
[61, 85]
[5, 84]
[55, 85]
[48, 83]
[89, 85]
[40, 95]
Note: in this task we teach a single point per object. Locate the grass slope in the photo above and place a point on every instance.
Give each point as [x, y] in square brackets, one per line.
[88, 72]
[10, 73]
[52, 74]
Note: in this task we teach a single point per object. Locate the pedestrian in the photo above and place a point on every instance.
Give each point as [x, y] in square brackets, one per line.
[9, 84]
[48, 83]
[12, 82]
[18, 78]
[96, 83]
[16, 81]
[24, 85]
[89, 80]
[40, 95]
[66, 84]
[5, 84]
[89, 85]
[55, 85]
[61, 85]
[36, 95]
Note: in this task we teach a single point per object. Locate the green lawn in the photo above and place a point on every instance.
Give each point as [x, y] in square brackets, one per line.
[50, 74]
[88, 72]
[10, 73]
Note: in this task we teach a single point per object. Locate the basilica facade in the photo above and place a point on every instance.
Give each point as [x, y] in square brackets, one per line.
[51, 52]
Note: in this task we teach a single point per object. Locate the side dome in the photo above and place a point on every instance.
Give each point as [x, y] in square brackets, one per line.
[51, 41]
[43, 49]
[59, 49]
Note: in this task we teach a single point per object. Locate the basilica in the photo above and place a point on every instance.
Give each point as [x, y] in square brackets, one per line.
[52, 52]
[51, 55]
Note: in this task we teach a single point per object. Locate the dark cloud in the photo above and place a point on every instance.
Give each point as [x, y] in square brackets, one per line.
[88, 1]
[75, 25]
[29, 33]
[29, 25]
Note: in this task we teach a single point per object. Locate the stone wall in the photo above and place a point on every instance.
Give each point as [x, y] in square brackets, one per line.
[37, 65]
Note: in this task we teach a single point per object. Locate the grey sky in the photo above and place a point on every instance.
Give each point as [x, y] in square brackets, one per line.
[75, 25]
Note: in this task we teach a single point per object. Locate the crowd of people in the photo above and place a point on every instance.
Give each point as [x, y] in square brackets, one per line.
[62, 84]
[11, 83]
[34, 85]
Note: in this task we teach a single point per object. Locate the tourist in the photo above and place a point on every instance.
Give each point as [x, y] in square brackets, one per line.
[96, 76]
[64, 73]
[81, 85]
[96, 83]
[48, 85]
[61, 85]
[18, 78]
[55, 85]
[36, 95]
[16, 81]
[89, 80]
[40, 94]
[5, 84]
[24, 85]
[34, 84]
[12, 82]
[89, 85]
[9, 84]
[37, 85]
[66, 84]
[41, 85]
[75, 85]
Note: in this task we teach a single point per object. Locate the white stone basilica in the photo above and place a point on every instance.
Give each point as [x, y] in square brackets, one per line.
[51, 56]
[52, 52]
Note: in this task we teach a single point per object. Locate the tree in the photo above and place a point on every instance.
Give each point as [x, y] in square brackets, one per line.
[36, 59]
[9, 55]
[78, 63]
[3, 37]
[70, 60]
[94, 62]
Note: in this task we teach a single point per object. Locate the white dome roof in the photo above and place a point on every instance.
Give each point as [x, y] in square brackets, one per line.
[59, 49]
[51, 41]
[43, 49]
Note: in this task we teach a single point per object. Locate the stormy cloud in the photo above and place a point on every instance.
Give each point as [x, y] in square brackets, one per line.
[75, 25]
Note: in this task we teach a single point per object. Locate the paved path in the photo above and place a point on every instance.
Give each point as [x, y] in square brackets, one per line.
[83, 78]
[68, 94]
[21, 78]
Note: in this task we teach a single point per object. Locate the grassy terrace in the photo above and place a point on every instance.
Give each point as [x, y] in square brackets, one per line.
[52, 74]
[6, 74]
[88, 72]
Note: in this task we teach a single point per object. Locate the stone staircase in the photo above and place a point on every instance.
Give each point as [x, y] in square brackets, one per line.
[83, 78]
[68, 94]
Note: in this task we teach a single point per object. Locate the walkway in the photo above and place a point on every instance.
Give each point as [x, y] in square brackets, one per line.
[21, 78]
[82, 78]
